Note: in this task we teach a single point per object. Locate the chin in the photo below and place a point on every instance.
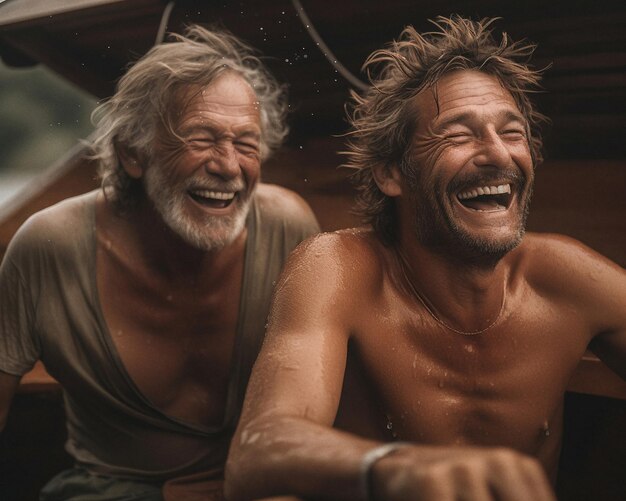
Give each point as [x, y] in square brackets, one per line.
[213, 233]
[486, 250]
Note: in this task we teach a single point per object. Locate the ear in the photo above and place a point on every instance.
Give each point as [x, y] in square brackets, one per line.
[388, 179]
[130, 162]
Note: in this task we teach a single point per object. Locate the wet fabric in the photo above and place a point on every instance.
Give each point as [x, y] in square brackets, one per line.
[49, 310]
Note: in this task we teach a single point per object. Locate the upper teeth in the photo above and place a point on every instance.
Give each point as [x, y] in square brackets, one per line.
[218, 195]
[485, 190]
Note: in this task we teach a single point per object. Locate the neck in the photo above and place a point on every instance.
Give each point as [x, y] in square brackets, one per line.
[466, 297]
[157, 247]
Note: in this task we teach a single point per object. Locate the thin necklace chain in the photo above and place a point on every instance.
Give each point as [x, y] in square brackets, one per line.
[440, 321]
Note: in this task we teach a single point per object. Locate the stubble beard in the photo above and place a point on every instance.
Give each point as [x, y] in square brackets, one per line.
[208, 233]
[436, 228]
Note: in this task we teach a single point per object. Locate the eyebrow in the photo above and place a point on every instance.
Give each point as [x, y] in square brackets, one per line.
[468, 116]
[215, 128]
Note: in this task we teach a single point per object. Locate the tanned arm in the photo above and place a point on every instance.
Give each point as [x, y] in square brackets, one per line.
[600, 288]
[285, 444]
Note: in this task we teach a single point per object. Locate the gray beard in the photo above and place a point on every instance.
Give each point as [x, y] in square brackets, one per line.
[208, 234]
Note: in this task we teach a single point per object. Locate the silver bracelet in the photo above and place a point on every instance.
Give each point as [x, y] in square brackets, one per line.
[369, 460]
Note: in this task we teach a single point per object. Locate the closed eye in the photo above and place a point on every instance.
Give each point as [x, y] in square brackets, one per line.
[458, 137]
[247, 147]
[200, 141]
[514, 134]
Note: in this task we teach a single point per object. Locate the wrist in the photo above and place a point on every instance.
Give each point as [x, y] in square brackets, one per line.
[369, 460]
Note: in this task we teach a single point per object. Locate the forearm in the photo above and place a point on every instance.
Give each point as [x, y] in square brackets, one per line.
[294, 456]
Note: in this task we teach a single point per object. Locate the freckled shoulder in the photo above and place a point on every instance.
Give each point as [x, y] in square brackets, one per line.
[350, 256]
[331, 276]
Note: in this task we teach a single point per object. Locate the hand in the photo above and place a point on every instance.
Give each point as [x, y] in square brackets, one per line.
[454, 474]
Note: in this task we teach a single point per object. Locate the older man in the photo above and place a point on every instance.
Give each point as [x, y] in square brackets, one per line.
[453, 333]
[147, 300]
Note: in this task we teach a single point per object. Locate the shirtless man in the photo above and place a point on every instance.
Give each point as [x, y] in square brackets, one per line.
[147, 299]
[453, 333]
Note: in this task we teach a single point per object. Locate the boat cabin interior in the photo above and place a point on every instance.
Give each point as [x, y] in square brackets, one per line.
[317, 49]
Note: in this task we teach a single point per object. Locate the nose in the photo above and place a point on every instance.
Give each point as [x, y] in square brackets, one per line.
[224, 161]
[493, 152]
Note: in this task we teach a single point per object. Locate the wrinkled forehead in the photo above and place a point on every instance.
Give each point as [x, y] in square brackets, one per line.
[460, 92]
[228, 93]
[227, 104]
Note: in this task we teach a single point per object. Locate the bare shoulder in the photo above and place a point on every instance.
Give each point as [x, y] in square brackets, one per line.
[559, 262]
[351, 251]
[329, 266]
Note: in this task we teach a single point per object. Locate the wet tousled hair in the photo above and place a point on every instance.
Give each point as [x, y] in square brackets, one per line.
[383, 119]
[148, 98]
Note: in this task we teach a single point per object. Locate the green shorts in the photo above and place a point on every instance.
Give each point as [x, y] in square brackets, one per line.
[78, 484]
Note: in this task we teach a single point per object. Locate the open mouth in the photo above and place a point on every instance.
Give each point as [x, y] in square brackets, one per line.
[213, 199]
[491, 198]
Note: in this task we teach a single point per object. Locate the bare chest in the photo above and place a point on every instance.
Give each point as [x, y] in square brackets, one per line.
[502, 387]
[175, 340]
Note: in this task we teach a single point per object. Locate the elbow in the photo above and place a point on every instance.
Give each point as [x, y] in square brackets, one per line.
[238, 482]
[238, 485]
[247, 473]
[232, 482]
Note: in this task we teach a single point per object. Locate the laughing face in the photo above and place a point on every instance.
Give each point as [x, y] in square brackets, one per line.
[469, 171]
[202, 186]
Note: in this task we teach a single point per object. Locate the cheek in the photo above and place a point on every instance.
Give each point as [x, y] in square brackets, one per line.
[250, 165]
[523, 159]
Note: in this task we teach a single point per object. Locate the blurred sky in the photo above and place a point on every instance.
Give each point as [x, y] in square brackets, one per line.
[41, 117]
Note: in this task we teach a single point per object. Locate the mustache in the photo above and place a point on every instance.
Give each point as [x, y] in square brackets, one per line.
[204, 183]
[489, 177]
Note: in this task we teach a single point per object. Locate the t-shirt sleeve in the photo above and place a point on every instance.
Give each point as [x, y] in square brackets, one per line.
[19, 348]
[305, 225]
[299, 224]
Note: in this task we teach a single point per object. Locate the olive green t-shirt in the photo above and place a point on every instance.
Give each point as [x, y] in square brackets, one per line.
[49, 310]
